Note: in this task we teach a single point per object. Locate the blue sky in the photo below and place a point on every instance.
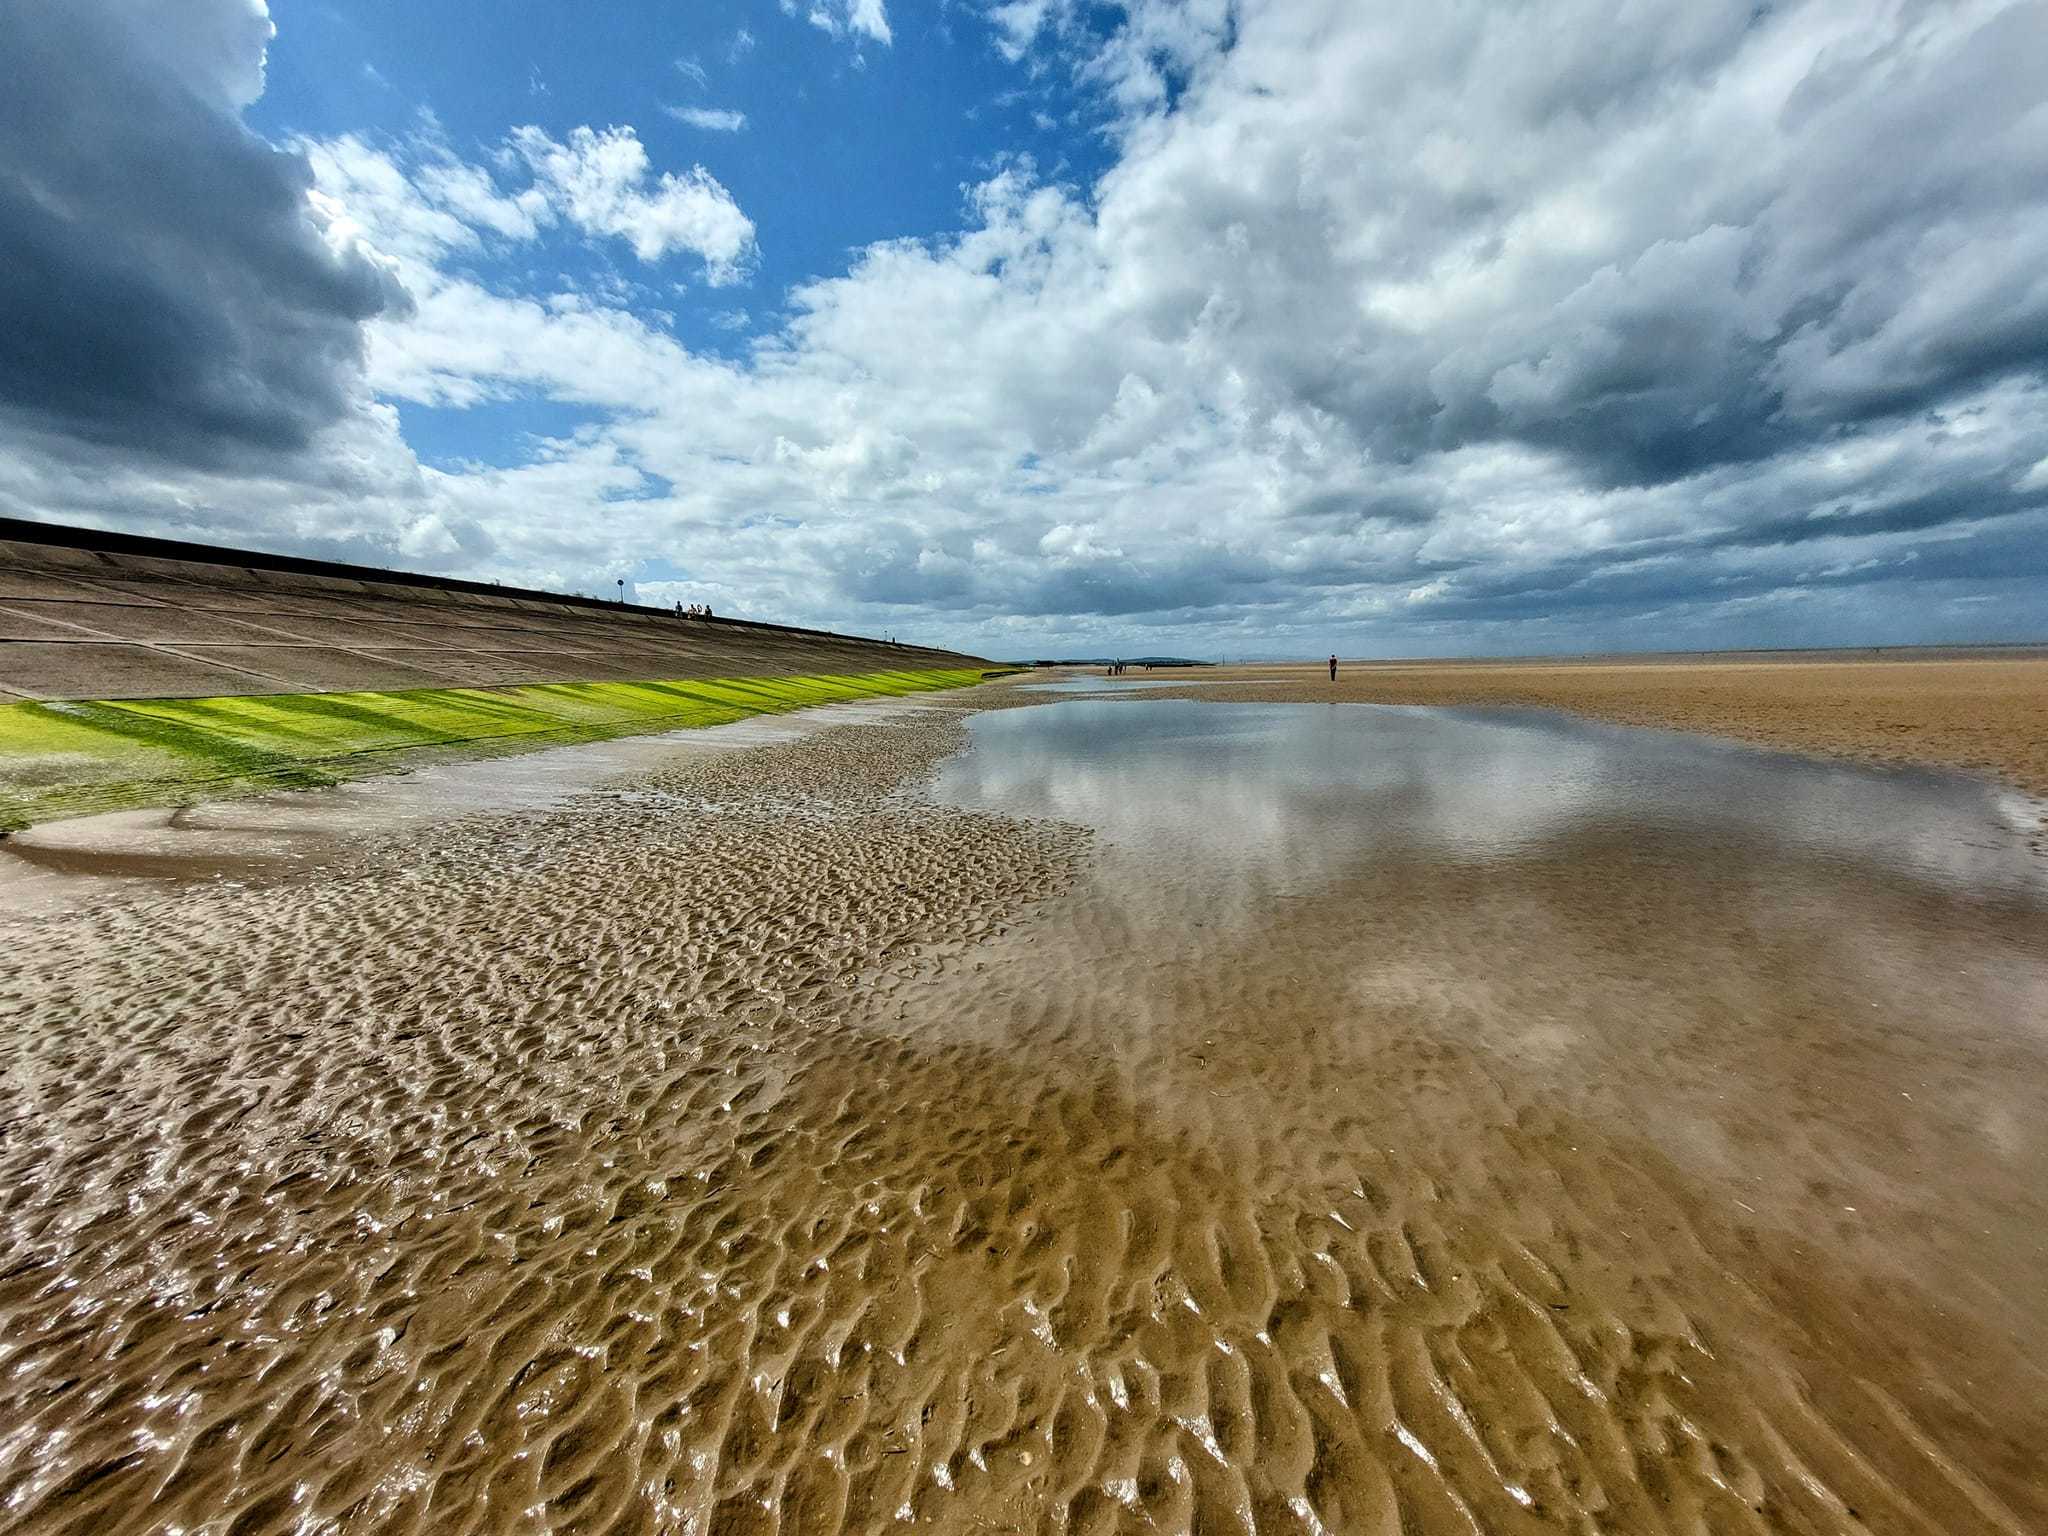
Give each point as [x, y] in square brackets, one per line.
[1245, 327]
[847, 141]
[834, 155]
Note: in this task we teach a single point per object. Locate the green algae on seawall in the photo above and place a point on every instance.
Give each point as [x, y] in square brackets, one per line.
[61, 759]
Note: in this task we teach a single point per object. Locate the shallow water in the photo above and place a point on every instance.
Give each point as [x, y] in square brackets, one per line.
[1301, 794]
[1312, 1118]
[1745, 1055]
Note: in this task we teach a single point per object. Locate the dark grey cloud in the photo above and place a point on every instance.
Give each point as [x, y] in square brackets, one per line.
[1965, 501]
[166, 287]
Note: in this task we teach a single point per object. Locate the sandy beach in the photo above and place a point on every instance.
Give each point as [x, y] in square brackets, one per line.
[594, 940]
[933, 1123]
[1982, 712]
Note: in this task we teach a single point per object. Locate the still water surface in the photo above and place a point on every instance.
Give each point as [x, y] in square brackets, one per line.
[1298, 794]
[1750, 1050]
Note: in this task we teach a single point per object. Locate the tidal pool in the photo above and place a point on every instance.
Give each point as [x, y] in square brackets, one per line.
[1299, 795]
[1700, 1088]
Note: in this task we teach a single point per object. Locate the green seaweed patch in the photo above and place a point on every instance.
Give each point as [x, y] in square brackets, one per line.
[75, 759]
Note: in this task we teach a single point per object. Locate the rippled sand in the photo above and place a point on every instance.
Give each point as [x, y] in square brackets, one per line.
[766, 1147]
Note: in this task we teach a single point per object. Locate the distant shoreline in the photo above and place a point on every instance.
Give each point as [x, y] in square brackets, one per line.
[2019, 648]
[1937, 651]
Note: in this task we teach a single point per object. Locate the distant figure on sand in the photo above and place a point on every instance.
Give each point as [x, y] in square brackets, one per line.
[1333, 666]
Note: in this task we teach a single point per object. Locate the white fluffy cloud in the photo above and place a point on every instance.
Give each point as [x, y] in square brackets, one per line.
[421, 201]
[710, 119]
[1424, 328]
[843, 18]
[600, 181]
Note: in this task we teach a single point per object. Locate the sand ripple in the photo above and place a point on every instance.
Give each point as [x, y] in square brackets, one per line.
[762, 1149]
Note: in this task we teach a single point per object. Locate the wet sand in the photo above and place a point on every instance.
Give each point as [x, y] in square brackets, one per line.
[58, 866]
[1981, 712]
[856, 1133]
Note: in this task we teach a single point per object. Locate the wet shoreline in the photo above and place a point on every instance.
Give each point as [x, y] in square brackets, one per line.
[61, 864]
[970, 1117]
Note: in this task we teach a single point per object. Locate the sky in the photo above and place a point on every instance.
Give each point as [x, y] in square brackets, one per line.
[1039, 327]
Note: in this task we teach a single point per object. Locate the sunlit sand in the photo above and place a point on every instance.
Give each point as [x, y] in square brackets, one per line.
[1089, 1116]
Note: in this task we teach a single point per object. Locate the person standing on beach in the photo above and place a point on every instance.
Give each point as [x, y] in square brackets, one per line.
[1333, 666]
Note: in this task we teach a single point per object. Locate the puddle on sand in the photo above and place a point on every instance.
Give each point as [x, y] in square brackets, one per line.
[1647, 1128]
[1295, 796]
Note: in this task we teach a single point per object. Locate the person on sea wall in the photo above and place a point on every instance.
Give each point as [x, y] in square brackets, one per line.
[1333, 666]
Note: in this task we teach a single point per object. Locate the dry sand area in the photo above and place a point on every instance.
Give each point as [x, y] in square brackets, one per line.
[775, 1141]
[1982, 712]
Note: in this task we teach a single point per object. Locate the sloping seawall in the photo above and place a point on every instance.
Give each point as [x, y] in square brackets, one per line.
[90, 615]
[139, 672]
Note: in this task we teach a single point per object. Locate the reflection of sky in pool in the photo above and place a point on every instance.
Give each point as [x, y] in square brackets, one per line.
[1291, 796]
